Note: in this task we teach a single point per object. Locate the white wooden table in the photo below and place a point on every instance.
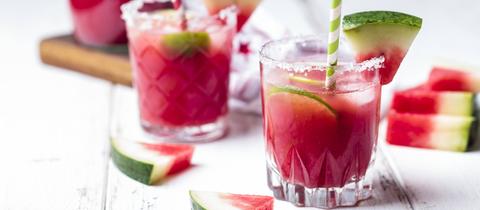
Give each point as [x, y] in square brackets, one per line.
[55, 125]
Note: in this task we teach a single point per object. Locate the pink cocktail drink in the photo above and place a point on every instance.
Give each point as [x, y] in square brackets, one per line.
[318, 140]
[98, 22]
[181, 71]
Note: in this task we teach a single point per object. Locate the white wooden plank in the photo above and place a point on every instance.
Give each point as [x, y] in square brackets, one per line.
[438, 180]
[235, 164]
[53, 123]
[53, 139]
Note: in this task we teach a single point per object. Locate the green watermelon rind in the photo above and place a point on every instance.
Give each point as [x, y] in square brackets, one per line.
[465, 129]
[298, 91]
[195, 204]
[463, 105]
[360, 19]
[137, 170]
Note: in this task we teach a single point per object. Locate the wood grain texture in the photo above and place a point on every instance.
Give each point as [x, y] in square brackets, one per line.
[53, 147]
[436, 179]
[234, 164]
[439, 180]
[108, 63]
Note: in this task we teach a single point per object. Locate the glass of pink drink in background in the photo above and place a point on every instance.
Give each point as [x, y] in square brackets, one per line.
[98, 22]
[181, 70]
[320, 142]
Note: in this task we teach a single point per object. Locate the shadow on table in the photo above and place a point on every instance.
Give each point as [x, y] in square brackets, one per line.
[242, 124]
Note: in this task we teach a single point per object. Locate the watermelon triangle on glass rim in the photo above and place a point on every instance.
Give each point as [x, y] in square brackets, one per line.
[381, 33]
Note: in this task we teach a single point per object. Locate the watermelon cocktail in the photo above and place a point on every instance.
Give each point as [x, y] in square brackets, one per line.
[318, 140]
[181, 68]
[98, 22]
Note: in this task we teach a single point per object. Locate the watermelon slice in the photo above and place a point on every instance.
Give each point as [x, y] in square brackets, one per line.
[245, 8]
[149, 163]
[445, 79]
[420, 100]
[441, 132]
[381, 33]
[227, 201]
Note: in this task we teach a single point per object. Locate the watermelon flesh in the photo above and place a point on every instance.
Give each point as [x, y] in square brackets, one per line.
[421, 100]
[441, 132]
[181, 154]
[374, 34]
[245, 8]
[393, 59]
[227, 201]
[445, 79]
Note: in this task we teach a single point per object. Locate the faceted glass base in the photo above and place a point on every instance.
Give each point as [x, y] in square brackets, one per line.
[190, 134]
[348, 195]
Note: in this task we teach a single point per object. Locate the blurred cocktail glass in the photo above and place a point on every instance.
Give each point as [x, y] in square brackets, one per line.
[181, 66]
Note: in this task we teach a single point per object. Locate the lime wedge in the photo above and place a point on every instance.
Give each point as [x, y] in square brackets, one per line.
[186, 43]
[307, 81]
[298, 91]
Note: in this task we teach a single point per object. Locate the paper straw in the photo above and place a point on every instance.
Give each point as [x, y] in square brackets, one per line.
[333, 40]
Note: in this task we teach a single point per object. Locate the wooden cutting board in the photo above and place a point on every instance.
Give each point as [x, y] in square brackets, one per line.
[106, 63]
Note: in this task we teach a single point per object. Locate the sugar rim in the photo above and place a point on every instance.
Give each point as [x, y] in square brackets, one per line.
[131, 13]
[302, 66]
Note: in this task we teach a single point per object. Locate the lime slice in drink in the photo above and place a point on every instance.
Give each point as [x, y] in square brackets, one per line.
[306, 81]
[294, 94]
[186, 43]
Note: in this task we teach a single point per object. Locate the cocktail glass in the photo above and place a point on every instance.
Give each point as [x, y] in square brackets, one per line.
[320, 142]
[181, 67]
[98, 22]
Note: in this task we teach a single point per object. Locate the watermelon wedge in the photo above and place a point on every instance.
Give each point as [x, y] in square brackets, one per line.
[441, 132]
[421, 100]
[381, 33]
[445, 79]
[245, 8]
[226, 201]
[150, 163]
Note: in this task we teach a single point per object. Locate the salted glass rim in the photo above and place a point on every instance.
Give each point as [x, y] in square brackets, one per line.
[299, 66]
[131, 12]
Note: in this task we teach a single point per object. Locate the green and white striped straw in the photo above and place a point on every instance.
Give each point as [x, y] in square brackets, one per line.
[333, 41]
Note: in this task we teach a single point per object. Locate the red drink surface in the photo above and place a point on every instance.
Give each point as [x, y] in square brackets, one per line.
[98, 22]
[184, 88]
[309, 144]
